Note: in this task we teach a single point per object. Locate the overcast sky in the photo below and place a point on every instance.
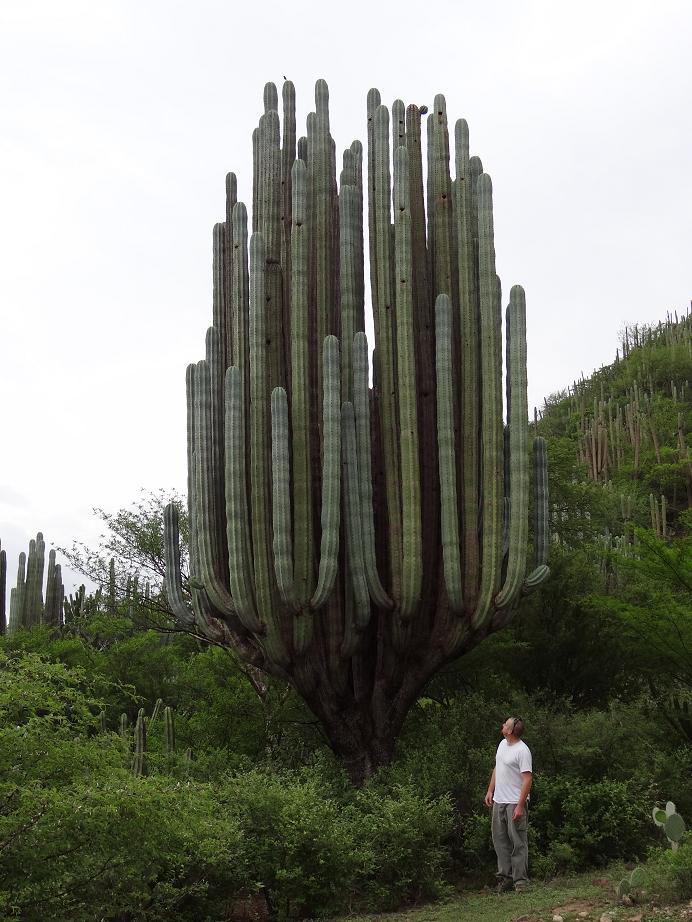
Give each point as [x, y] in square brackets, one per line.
[119, 121]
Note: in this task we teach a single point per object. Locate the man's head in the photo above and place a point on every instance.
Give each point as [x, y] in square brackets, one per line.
[513, 727]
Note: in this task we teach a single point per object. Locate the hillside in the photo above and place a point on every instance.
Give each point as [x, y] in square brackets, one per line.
[628, 429]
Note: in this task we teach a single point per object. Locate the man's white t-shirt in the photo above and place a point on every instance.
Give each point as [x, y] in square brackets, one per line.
[510, 762]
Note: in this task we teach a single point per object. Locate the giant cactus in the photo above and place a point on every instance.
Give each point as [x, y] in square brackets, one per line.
[27, 606]
[350, 538]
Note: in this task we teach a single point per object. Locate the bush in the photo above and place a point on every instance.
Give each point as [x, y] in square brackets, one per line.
[580, 825]
[672, 869]
[301, 844]
[80, 837]
[400, 836]
[141, 849]
[478, 853]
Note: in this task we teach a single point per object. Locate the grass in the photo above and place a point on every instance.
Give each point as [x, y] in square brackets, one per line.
[567, 897]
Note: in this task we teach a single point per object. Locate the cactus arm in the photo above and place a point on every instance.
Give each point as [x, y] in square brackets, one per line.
[300, 390]
[17, 618]
[331, 480]
[412, 561]
[541, 528]
[398, 124]
[373, 103]
[518, 412]
[491, 389]
[321, 229]
[288, 156]
[237, 515]
[348, 202]
[468, 326]
[357, 151]
[240, 300]
[226, 331]
[215, 451]
[424, 344]
[258, 426]
[385, 345]
[53, 607]
[219, 283]
[446, 455]
[441, 205]
[354, 530]
[361, 400]
[172, 578]
[190, 388]
[50, 589]
[255, 179]
[281, 497]
[269, 225]
[13, 622]
[218, 594]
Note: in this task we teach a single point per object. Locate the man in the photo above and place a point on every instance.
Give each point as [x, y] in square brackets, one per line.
[507, 794]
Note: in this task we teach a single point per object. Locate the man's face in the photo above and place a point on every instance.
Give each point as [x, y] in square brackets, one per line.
[507, 727]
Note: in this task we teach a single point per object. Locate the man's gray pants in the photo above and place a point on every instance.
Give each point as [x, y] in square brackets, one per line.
[511, 843]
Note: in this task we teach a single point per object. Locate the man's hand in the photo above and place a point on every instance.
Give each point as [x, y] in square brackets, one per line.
[518, 812]
[488, 798]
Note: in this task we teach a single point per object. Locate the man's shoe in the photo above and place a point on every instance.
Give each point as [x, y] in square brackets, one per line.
[504, 885]
[521, 887]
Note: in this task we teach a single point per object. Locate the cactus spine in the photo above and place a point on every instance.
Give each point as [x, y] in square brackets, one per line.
[324, 510]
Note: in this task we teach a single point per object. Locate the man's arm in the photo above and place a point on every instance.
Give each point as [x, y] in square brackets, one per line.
[527, 781]
[491, 790]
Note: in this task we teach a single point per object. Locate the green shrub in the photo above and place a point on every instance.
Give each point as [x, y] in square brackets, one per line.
[143, 849]
[477, 847]
[400, 836]
[672, 869]
[302, 847]
[598, 822]
[80, 837]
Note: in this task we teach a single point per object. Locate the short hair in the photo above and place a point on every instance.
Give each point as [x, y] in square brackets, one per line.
[518, 727]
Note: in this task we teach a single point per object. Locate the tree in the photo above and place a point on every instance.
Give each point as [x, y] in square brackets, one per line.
[134, 542]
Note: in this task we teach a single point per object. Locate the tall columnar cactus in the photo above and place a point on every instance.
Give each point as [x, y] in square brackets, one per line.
[139, 745]
[27, 607]
[3, 591]
[352, 538]
[169, 727]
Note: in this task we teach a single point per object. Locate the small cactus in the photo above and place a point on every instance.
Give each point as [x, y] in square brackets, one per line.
[634, 881]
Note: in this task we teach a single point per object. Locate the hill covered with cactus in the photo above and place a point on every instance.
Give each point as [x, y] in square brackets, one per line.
[628, 430]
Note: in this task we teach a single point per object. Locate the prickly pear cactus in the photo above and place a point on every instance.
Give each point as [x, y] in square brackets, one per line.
[671, 822]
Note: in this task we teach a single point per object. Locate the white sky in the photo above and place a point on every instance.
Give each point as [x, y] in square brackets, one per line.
[119, 121]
